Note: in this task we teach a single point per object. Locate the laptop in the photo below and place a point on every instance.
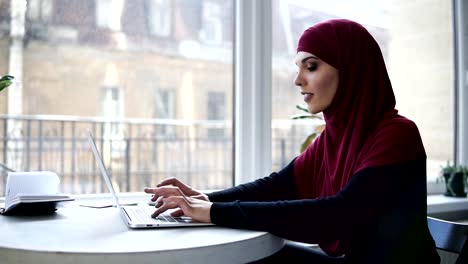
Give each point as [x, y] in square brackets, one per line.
[140, 216]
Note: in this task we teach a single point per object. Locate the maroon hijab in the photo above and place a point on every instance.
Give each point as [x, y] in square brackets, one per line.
[363, 128]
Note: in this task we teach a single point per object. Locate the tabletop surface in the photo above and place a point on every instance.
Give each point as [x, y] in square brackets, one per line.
[76, 230]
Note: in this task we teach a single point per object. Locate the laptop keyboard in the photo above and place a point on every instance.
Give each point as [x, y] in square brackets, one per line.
[143, 214]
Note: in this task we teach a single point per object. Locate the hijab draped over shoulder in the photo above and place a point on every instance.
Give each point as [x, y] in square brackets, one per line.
[363, 128]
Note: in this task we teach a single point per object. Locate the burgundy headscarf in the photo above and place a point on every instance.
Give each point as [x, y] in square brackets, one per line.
[363, 128]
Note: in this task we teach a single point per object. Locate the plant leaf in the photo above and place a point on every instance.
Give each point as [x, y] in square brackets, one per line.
[319, 129]
[7, 77]
[303, 108]
[302, 116]
[4, 84]
[308, 141]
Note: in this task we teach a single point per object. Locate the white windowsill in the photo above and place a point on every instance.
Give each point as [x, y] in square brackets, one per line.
[438, 203]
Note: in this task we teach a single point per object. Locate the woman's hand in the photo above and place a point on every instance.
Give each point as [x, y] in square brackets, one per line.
[173, 187]
[197, 209]
[172, 193]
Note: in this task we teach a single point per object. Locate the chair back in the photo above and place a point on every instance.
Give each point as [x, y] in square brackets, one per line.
[450, 236]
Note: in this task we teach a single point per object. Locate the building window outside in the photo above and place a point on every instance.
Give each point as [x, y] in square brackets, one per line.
[113, 138]
[164, 108]
[216, 111]
[112, 109]
[159, 17]
[211, 32]
[109, 13]
[39, 10]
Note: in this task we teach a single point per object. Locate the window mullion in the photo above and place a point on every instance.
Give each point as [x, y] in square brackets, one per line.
[461, 75]
[252, 127]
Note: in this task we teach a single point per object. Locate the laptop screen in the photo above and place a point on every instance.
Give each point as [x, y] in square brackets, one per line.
[102, 167]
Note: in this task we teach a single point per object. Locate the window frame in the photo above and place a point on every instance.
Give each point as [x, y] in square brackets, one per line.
[252, 90]
[460, 23]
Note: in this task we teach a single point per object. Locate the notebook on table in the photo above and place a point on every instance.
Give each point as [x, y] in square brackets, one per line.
[32, 193]
[139, 216]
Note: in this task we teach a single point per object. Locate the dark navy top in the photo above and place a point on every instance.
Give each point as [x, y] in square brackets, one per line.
[381, 213]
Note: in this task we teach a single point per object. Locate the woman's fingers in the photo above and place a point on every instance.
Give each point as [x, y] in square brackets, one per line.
[171, 203]
[203, 197]
[168, 181]
[164, 191]
[173, 187]
[197, 209]
[175, 182]
[177, 213]
[164, 207]
[158, 202]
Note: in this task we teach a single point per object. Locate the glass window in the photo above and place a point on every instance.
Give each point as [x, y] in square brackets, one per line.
[211, 23]
[418, 52]
[164, 108]
[39, 10]
[112, 108]
[109, 13]
[216, 111]
[97, 65]
[159, 17]
[112, 104]
[164, 104]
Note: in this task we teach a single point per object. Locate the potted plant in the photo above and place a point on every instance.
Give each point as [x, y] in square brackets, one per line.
[5, 81]
[454, 178]
[309, 115]
[445, 174]
[456, 183]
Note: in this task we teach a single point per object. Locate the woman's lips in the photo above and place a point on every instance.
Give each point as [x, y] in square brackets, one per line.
[307, 97]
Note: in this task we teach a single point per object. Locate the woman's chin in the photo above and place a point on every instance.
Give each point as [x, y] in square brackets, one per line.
[312, 110]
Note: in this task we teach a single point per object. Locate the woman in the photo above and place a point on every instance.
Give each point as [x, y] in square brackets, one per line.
[359, 190]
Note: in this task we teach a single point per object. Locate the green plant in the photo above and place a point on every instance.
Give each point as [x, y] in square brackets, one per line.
[447, 169]
[463, 170]
[455, 178]
[5, 81]
[308, 115]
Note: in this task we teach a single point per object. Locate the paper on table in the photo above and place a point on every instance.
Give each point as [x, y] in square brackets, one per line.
[104, 204]
[34, 182]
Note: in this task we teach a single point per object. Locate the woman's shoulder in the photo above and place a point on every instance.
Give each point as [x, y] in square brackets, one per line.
[394, 141]
[398, 128]
[397, 121]
[397, 134]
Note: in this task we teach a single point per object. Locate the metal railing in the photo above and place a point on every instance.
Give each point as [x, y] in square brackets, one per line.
[137, 152]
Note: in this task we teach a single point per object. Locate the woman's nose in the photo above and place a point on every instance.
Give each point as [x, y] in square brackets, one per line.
[297, 80]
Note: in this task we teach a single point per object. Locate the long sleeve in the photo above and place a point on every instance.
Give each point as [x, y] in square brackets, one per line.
[275, 187]
[371, 196]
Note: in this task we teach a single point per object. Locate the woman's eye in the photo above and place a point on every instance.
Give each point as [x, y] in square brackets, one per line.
[312, 67]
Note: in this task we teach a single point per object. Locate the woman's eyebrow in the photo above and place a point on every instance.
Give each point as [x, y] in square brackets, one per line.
[306, 58]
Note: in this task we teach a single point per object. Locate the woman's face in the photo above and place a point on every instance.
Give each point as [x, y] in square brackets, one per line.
[318, 81]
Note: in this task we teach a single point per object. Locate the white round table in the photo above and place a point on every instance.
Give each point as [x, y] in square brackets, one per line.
[77, 234]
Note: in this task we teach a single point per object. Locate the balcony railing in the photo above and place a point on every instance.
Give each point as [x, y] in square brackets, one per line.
[137, 152]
